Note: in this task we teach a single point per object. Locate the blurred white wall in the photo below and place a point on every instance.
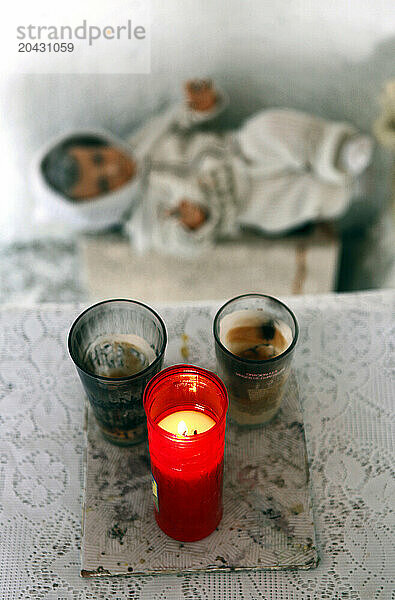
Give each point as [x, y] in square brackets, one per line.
[330, 58]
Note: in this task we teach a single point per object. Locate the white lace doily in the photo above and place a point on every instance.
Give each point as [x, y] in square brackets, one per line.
[344, 365]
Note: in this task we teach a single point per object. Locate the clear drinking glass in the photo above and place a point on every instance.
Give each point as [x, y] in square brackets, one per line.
[117, 346]
[255, 338]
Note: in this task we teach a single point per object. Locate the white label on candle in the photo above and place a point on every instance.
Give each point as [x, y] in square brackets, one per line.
[155, 492]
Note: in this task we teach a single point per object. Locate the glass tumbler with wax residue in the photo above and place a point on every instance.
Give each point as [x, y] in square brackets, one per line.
[255, 337]
[117, 346]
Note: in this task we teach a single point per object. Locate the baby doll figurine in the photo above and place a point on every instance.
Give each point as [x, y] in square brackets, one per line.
[280, 170]
[179, 187]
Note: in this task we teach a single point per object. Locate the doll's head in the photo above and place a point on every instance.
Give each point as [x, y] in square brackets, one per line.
[86, 166]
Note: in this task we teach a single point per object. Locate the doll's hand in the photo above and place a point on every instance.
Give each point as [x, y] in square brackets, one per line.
[200, 94]
[189, 214]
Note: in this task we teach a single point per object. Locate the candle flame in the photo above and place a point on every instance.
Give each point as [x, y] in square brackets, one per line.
[182, 428]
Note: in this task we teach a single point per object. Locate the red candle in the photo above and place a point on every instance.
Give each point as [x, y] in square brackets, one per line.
[186, 466]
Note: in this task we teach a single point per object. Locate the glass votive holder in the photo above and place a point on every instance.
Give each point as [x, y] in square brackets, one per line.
[186, 414]
[255, 337]
[117, 346]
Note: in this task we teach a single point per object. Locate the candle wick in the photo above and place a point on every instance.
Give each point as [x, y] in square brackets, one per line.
[182, 429]
[195, 432]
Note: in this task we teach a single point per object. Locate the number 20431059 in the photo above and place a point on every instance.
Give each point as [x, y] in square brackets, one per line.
[46, 47]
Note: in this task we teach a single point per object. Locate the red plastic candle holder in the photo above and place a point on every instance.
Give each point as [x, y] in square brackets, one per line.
[187, 472]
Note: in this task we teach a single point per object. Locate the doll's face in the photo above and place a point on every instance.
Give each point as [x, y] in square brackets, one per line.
[101, 169]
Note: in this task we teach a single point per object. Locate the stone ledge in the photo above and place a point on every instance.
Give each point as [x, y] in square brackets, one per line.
[299, 264]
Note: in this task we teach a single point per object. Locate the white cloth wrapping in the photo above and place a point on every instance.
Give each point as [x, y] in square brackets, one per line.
[279, 171]
[292, 163]
[181, 161]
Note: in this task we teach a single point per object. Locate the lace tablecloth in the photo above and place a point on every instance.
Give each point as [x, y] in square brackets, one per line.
[343, 364]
